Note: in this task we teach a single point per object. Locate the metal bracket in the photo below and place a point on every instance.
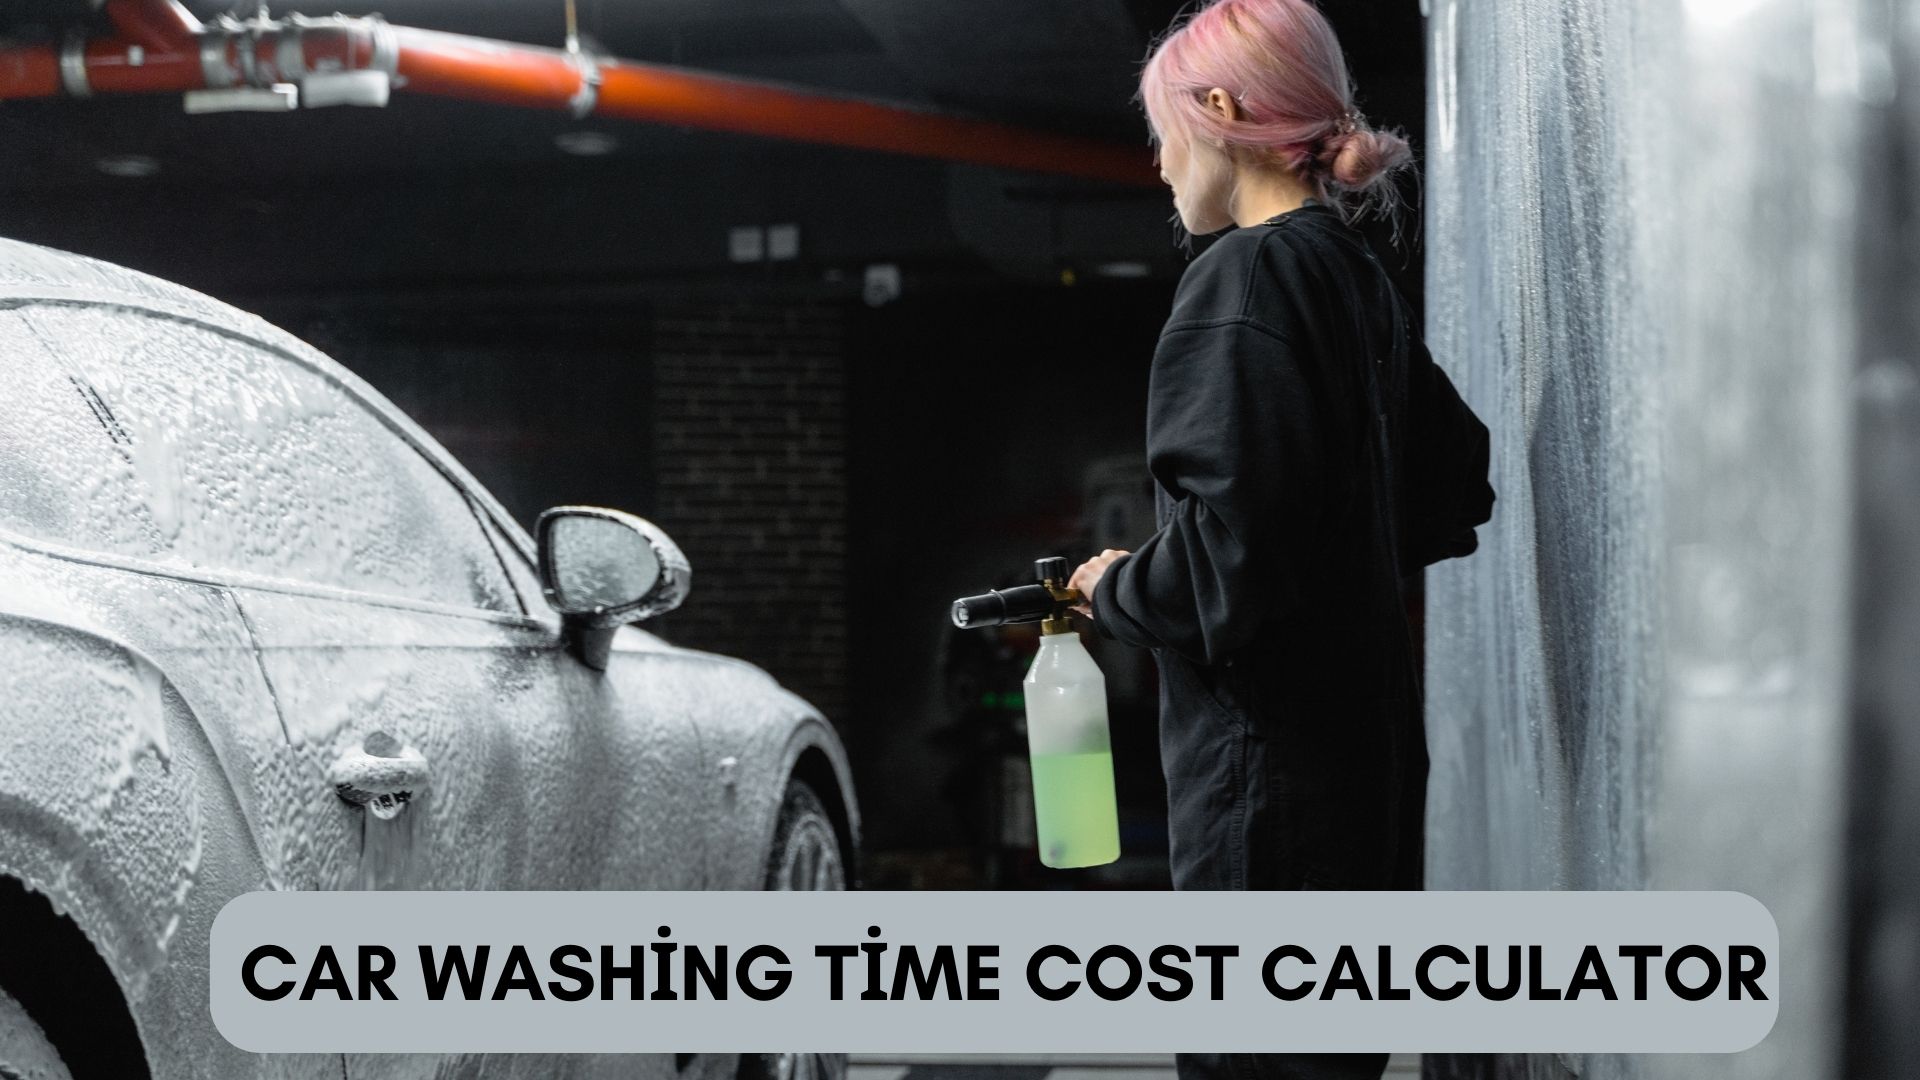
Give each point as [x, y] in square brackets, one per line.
[213, 61]
[280, 97]
[290, 53]
[73, 65]
[368, 88]
[588, 95]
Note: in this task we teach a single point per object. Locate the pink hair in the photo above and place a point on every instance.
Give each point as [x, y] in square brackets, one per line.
[1283, 65]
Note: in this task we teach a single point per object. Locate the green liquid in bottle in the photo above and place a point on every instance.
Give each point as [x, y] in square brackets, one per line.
[1074, 809]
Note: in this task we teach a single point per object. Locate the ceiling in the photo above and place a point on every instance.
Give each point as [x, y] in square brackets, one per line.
[1065, 66]
[1060, 65]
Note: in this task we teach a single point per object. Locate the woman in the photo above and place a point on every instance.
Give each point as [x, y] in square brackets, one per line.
[1308, 457]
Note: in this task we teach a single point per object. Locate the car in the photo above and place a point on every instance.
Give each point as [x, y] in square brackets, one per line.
[259, 631]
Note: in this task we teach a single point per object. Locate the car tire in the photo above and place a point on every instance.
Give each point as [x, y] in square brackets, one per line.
[805, 856]
[25, 1051]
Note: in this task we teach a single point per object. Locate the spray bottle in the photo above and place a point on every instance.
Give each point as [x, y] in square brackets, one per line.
[1067, 737]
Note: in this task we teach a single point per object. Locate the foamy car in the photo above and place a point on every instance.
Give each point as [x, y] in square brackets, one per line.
[259, 631]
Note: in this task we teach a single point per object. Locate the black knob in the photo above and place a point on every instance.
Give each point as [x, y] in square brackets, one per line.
[1052, 568]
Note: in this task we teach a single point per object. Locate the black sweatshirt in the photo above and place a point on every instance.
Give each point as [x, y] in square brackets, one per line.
[1259, 432]
[1272, 593]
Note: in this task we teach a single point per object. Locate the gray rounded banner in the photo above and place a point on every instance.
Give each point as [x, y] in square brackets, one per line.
[975, 972]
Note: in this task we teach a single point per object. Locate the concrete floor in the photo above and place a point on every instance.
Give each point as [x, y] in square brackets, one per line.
[1044, 1067]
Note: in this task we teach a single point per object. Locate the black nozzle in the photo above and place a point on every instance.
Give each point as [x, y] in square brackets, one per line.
[1021, 604]
[1051, 568]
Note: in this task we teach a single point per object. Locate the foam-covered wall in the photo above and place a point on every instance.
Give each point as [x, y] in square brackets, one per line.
[1883, 865]
[1641, 219]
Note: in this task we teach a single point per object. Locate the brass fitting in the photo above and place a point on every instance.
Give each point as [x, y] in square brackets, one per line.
[1059, 622]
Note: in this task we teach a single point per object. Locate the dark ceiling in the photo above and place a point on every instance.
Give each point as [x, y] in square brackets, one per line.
[663, 197]
[1066, 66]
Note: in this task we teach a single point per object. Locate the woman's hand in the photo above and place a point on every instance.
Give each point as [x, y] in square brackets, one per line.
[1088, 576]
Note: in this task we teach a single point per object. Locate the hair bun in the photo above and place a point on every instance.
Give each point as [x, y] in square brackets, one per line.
[1360, 157]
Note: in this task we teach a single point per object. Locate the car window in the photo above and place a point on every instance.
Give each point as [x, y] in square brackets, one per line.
[526, 580]
[65, 474]
[252, 462]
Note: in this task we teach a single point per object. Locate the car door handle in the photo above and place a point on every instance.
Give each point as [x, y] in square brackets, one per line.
[379, 774]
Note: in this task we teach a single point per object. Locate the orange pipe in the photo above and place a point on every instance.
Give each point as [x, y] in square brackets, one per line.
[668, 95]
[154, 24]
[32, 72]
[111, 70]
[477, 69]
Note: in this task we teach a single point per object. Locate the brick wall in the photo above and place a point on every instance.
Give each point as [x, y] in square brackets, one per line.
[750, 472]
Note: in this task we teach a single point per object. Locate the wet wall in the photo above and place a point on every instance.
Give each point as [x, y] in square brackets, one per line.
[1883, 866]
[1642, 217]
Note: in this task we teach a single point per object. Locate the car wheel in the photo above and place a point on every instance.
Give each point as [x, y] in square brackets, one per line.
[805, 857]
[806, 850]
[25, 1053]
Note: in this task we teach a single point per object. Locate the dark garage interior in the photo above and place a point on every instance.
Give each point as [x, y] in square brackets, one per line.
[857, 301]
[851, 384]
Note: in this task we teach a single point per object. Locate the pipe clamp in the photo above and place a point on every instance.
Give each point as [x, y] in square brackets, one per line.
[73, 65]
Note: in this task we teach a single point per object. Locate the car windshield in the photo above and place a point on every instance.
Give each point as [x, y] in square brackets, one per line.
[66, 473]
[226, 456]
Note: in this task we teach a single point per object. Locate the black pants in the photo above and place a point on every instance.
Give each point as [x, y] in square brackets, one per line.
[1264, 793]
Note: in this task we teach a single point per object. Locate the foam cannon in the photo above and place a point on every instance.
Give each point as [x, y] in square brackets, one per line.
[1068, 742]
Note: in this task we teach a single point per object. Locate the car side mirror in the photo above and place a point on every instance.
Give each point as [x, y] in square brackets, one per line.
[602, 569]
